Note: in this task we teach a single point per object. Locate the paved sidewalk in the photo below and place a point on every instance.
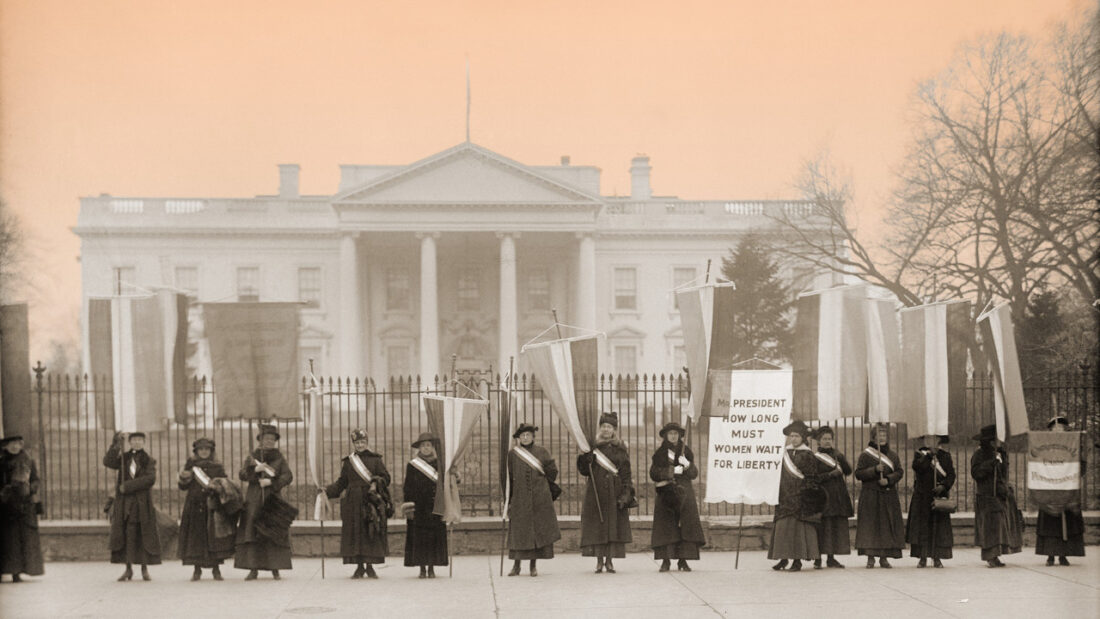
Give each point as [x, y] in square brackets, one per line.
[566, 587]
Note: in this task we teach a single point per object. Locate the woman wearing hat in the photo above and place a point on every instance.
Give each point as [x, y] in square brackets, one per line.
[996, 526]
[532, 521]
[880, 531]
[267, 473]
[605, 521]
[832, 533]
[425, 532]
[365, 507]
[207, 533]
[794, 532]
[1060, 534]
[929, 531]
[134, 535]
[20, 548]
[677, 532]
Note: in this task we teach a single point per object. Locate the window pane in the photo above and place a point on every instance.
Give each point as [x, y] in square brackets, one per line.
[538, 290]
[681, 276]
[626, 289]
[397, 289]
[187, 278]
[309, 286]
[469, 290]
[248, 284]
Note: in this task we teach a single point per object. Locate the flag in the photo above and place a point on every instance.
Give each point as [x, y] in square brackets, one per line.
[933, 366]
[254, 354]
[1054, 470]
[452, 420]
[15, 373]
[883, 361]
[138, 345]
[830, 358]
[706, 317]
[315, 443]
[505, 439]
[558, 367]
[999, 344]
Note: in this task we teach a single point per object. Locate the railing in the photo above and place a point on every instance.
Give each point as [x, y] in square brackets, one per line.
[76, 485]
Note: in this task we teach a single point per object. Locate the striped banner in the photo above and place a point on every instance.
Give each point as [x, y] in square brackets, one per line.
[883, 361]
[999, 344]
[452, 420]
[1054, 469]
[139, 344]
[557, 366]
[706, 317]
[15, 374]
[933, 366]
[830, 354]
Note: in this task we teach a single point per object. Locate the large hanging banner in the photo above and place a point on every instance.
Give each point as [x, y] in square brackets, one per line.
[452, 420]
[883, 360]
[254, 354]
[706, 315]
[933, 366]
[15, 373]
[999, 344]
[830, 353]
[748, 412]
[138, 345]
[557, 366]
[1054, 470]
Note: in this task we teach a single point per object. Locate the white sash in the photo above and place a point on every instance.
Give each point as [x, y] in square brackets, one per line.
[133, 466]
[881, 457]
[605, 462]
[826, 458]
[529, 458]
[201, 476]
[790, 466]
[425, 468]
[360, 468]
[264, 467]
[939, 469]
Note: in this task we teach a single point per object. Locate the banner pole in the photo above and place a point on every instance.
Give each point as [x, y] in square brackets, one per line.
[450, 551]
[740, 522]
[506, 490]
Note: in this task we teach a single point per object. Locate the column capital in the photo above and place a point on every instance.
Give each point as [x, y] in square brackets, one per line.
[423, 235]
[515, 234]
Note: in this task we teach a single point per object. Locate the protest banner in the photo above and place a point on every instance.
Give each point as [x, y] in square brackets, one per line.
[1054, 470]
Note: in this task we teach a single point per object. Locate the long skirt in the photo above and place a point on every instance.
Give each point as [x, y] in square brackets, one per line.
[1054, 545]
[833, 536]
[615, 550]
[262, 555]
[134, 551]
[793, 539]
[542, 552]
[425, 545]
[998, 531]
[679, 550]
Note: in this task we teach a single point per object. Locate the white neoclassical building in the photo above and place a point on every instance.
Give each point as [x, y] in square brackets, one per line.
[465, 252]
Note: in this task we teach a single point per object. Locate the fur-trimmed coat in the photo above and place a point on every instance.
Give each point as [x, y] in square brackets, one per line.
[616, 493]
[676, 512]
[20, 546]
[208, 532]
[133, 500]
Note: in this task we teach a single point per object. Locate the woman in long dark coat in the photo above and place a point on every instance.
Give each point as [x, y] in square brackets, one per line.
[364, 508]
[207, 533]
[20, 547]
[880, 531]
[677, 532]
[605, 528]
[801, 501]
[997, 529]
[425, 531]
[1062, 534]
[267, 473]
[532, 521]
[833, 537]
[134, 535]
[928, 531]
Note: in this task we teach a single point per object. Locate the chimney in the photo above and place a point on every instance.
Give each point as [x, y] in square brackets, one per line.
[288, 180]
[639, 178]
[565, 160]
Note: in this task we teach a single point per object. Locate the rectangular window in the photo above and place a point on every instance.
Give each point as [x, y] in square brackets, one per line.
[626, 366]
[187, 279]
[626, 288]
[248, 284]
[538, 290]
[680, 276]
[123, 280]
[397, 289]
[679, 358]
[309, 286]
[469, 289]
[397, 361]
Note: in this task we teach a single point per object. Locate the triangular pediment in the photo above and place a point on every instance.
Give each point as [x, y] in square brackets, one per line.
[466, 174]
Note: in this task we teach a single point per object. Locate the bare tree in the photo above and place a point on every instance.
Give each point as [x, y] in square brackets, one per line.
[12, 276]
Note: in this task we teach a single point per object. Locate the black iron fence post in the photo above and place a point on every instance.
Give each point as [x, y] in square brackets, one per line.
[39, 371]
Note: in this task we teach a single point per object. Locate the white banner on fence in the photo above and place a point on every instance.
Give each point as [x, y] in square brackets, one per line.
[745, 454]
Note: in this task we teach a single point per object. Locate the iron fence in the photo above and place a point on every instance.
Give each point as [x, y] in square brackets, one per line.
[76, 484]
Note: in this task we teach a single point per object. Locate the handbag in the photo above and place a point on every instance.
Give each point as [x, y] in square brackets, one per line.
[944, 505]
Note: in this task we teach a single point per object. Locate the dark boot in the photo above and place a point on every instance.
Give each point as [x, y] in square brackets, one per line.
[599, 565]
[832, 562]
[217, 573]
[252, 575]
[781, 565]
[145, 573]
[275, 575]
[16, 578]
[937, 563]
[923, 562]
[359, 571]
[515, 569]
[371, 573]
[197, 574]
[608, 565]
[870, 562]
[796, 566]
[431, 571]
[882, 562]
[817, 563]
[1050, 560]
[423, 571]
[682, 565]
[1063, 561]
[534, 570]
[665, 565]
[128, 574]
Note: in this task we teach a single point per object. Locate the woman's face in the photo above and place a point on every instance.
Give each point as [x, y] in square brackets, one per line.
[14, 447]
[426, 449]
[607, 430]
[881, 437]
[930, 441]
[825, 441]
[672, 436]
[268, 441]
[360, 445]
[137, 443]
[526, 438]
[795, 440]
[203, 453]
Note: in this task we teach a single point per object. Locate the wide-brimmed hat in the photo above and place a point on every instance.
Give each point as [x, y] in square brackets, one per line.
[797, 427]
[424, 436]
[524, 427]
[10, 439]
[987, 433]
[202, 442]
[1058, 419]
[672, 425]
[358, 435]
[611, 418]
[267, 428]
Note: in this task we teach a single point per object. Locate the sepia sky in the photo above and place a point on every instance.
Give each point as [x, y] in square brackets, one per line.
[203, 99]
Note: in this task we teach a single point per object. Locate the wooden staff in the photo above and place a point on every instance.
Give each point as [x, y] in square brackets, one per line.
[507, 476]
[450, 527]
[312, 377]
[740, 521]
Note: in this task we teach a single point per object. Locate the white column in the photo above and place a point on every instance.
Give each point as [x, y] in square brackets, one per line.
[351, 334]
[586, 281]
[509, 319]
[429, 307]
